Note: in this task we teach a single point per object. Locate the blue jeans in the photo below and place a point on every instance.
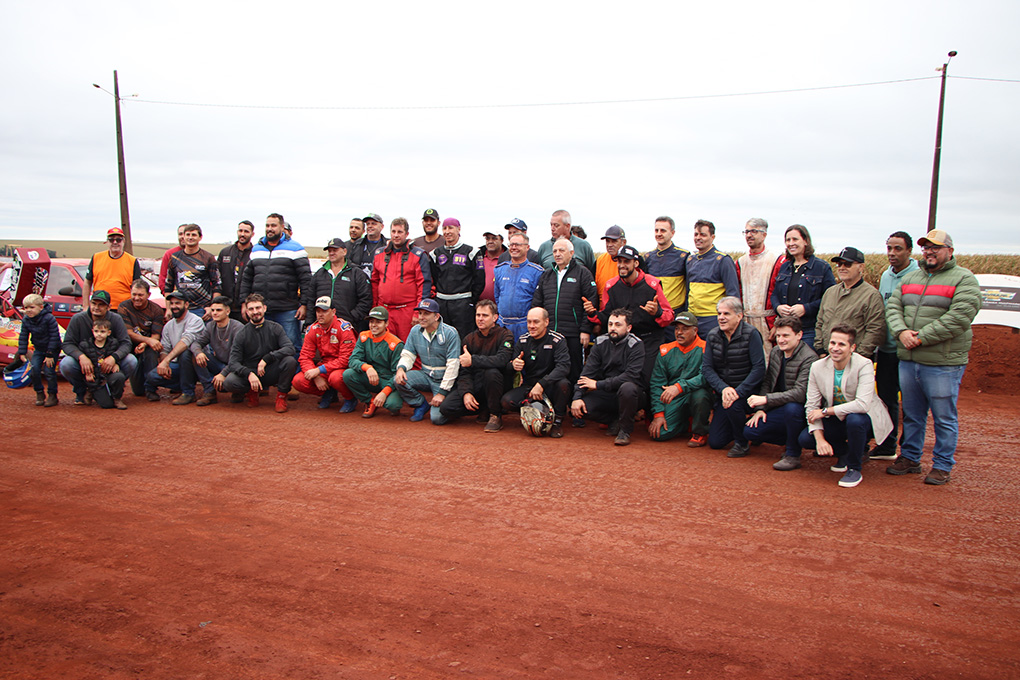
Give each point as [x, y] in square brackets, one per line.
[153, 380]
[205, 374]
[846, 437]
[291, 326]
[934, 388]
[71, 370]
[410, 392]
[40, 371]
[782, 427]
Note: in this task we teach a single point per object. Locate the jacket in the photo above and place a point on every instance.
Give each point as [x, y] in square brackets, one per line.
[361, 253]
[889, 283]
[439, 354]
[332, 345]
[795, 376]
[487, 351]
[380, 353]
[45, 333]
[80, 328]
[546, 359]
[612, 363]
[680, 366]
[281, 274]
[453, 272]
[816, 277]
[231, 262]
[858, 387]
[564, 298]
[669, 266]
[514, 289]
[401, 276]
[350, 291]
[940, 306]
[860, 307]
[710, 278]
[582, 253]
[738, 362]
[632, 296]
[267, 341]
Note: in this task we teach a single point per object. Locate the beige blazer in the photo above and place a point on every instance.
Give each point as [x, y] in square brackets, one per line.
[858, 387]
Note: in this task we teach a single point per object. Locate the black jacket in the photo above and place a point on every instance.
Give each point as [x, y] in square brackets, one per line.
[80, 328]
[350, 290]
[613, 363]
[453, 272]
[254, 343]
[798, 370]
[565, 301]
[738, 362]
[232, 262]
[487, 351]
[546, 361]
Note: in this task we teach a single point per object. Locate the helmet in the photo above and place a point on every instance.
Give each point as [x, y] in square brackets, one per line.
[537, 417]
[18, 375]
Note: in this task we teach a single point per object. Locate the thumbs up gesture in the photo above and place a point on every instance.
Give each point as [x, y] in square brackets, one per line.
[465, 358]
[518, 363]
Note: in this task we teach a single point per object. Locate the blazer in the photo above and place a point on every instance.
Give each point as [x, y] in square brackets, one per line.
[858, 387]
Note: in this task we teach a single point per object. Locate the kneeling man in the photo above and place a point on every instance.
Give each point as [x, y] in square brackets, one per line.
[681, 399]
[262, 353]
[437, 345]
[324, 356]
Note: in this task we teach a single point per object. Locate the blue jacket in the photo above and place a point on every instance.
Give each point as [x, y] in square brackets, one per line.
[887, 285]
[280, 273]
[815, 279]
[44, 331]
[439, 355]
[514, 288]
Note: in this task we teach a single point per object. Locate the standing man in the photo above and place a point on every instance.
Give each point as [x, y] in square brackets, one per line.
[195, 273]
[143, 320]
[437, 346]
[605, 263]
[543, 361]
[165, 261]
[112, 270]
[758, 269]
[681, 399]
[362, 251]
[357, 229]
[559, 226]
[668, 263]
[711, 276]
[887, 366]
[176, 368]
[485, 265]
[734, 366]
[514, 284]
[279, 272]
[852, 301]
[262, 353]
[519, 226]
[343, 283]
[325, 356]
[430, 225]
[401, 278]
[930, 315]
[76, 367]
[373, 365]
[610, 388]
[231, 262]
[453, 272]
[212, 352]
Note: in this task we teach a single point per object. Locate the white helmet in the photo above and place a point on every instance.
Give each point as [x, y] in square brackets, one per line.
[538, 417]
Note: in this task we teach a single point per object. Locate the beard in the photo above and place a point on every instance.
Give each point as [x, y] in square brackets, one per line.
[178, 313]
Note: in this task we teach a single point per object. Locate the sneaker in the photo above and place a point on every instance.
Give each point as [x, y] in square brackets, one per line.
[613, 429]
[578, 423]
[698, 440]
[878, 453]
[328, 397]
[152, 396]
[183, 400]
[236, 397]
[253, 399]
[557, 431]
[281, 403]
[369, 410]
[786, 463]
[51, 400]
[349, 405]
[207, 398]
[738, 450]
[40, 398]
[495, 424]
[79, 401]
[904, 466]
[293, 395]
[851, 479]
[395, 412]
[482, 419]
[937, 477]
[88, 399]
[622, 439]
[420, 411]
[119, 405]
[840, 466]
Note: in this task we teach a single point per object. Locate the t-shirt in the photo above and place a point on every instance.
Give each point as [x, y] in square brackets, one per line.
[217, 341]
[147, 322]
[837, 389]
[196, 275]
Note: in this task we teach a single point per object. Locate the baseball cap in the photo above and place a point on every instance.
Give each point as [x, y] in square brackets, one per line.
[380, 313]
[114, 231]
[323, 302]
[849, 254]
[103, 296]
[336, 243]
[628, 253]
[431, 212]
[936, 237]
[372, 216]
[174, 294]
[428, 305]
[614, 232]
[685, 318]
[490, 233]
[517, 223]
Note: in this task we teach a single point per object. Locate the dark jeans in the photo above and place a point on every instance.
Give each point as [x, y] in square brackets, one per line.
[487, 388]
[147, 361]
[205, 374]
[460, 314]
[559, 395]
[605, 407]
[887, 385]
[41, 371]
[727, 424]
[281, 373]
[782, 427]
[846, 437]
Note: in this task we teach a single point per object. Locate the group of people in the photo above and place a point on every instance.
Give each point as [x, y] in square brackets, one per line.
[770, 348]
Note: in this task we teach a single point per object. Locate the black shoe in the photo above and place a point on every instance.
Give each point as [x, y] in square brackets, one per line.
[622, 439]
[738, 450]
[557, 431]
[878, 453]
[579, 423]
[614, 429]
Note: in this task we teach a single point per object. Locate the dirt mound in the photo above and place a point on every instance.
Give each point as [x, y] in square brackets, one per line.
[993, 365]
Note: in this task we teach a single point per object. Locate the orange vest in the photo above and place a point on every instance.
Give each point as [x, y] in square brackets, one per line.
[113, 276]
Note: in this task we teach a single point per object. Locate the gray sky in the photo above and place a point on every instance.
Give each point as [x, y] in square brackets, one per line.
[852, 164]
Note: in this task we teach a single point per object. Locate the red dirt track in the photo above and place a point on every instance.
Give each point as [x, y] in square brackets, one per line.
[223, 542]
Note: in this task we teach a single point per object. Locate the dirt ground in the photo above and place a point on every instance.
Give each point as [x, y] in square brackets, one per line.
[225, 542]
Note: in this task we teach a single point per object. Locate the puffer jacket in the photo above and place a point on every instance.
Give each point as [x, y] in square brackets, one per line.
[564, 300]
[281, 274]
[798, 369]
[940, 306]
[44, 331]
[350, 291]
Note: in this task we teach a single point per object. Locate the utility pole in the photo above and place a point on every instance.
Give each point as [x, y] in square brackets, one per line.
[933, 201]
[125, 220]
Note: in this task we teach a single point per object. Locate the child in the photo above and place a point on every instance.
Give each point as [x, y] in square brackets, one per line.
[106, 388]
[40, 325]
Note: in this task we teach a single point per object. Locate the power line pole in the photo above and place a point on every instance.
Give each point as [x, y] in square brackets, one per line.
[934, 199]
[125, 219]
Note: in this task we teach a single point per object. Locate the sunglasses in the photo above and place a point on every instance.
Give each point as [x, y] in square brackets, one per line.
[116, 239]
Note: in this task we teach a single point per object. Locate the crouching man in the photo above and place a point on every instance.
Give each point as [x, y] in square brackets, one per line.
[681, 399]
[261, 354]
[437, 345]
[324, 357]
[373, 364]
[543, 360]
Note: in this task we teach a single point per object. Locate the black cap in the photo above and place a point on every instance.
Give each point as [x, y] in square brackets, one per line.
[431, 212]
[336, 243]
[628, 253]
[849, 254]
[174, 294]
[614, 232]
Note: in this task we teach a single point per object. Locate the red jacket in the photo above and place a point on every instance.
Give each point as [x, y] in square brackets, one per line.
[333, 344]
[401, 276]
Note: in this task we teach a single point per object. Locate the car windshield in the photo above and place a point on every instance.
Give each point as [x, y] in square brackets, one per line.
[59, 278]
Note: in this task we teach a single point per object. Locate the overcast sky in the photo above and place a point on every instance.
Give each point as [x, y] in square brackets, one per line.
[852, 164]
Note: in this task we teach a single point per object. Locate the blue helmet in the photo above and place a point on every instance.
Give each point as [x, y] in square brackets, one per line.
[18, 375]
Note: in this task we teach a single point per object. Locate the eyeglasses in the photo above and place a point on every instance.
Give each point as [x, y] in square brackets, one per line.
[932, 249]
[753, 231]
[844, 263]
[116, 239]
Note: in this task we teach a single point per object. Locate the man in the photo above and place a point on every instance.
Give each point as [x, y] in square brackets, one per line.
[401, 277]
[176, 369]
[143, 320]
[681, 399]
[711, 276]
[165, 261]
[758, 269]
[373, 364]
[112, 270]
[642, 294]
[362, 251]
[437, 346]
[343, 283]
[779, 410]
[483, 368]
[610, 388]
[194, 273]
[212, 351]
[514, 286]
[841, 406]
[76, 367]
[605, 263]
[279, 272]
[356, 229]
[519, 226]
[563, 292]
[734, 366]
[231, 262]
[852, 301]
[262, 353]
[453, 273]
[485, 264]
[559, 226]
[668, 263]
[887, 366]
[930, 316]
[543, 361]
[430, 225]
[325, 356]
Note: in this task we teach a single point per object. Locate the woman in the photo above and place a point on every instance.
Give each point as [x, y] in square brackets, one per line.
[801, 281]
